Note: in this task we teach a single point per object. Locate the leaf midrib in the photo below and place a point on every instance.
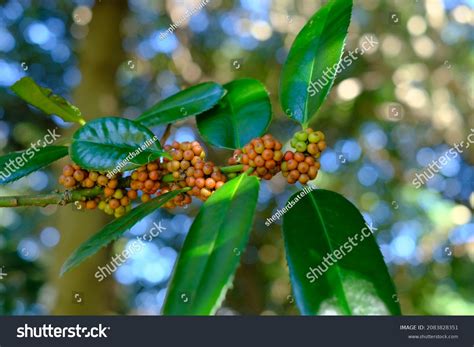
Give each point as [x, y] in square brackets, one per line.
[313, 63]
[234, 126]
[121, 146]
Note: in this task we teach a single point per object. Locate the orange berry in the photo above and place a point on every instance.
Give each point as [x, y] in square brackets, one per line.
[69, 182]
[252, 154]
[142, 176]
[270, 164]
[312, 172]
[68, 170]
[154, 175]
[113, 183]
[190, 181]
[267, 154]
[148, 184]
[198, 173]
[185, 164]
[91, 204]
[177, 154]
[108, 192]
[88, 183]
[299, 156]
[188, 155]
[313, 148]
[93, 176]
[303, 178]
[288, 155]
[145, 197]
[132, 194]
[309, 160]
[269, 143]
[259, 161]
[207, 169]
[303, 167]
[197, 149]
[114, 203]
[102, 180]
[292, 164]
[210, 183]
[200, 182]
[199, 164]
[294, 174]
[205, 192]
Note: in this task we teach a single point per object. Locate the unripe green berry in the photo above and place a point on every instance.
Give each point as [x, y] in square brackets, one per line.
[314, 137]
[118, 194]
[108, 210]
[120, 210]
[301, 135]
[300, 146]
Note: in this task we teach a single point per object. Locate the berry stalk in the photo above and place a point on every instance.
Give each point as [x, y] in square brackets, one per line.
[60, 198]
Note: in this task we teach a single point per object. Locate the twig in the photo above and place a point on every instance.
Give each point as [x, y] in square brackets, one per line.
[61, 198]
[166, 134]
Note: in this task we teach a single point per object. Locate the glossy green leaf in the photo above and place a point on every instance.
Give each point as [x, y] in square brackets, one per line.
[44, 99]
[212, 249]
[186, 103]
[306, 81]
[335, 264]
[16, 165]
[105, 144]
[242, 114]
[114, 230]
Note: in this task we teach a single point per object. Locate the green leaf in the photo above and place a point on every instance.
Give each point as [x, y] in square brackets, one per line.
[323, 228]
[242, 114]
[210, 254]
[186, 103]
[318, 47]
[16, 165]
[105, 143]
[115, 229]
[46, 101]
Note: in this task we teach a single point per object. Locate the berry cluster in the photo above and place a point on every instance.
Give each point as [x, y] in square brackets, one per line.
[263, 154]
[186, 168]
[302, 165]
[113, 201]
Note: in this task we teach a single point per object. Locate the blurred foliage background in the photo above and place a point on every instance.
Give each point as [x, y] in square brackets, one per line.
[391, 113]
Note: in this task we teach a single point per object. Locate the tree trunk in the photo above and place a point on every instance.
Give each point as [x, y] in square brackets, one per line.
[100, 54]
